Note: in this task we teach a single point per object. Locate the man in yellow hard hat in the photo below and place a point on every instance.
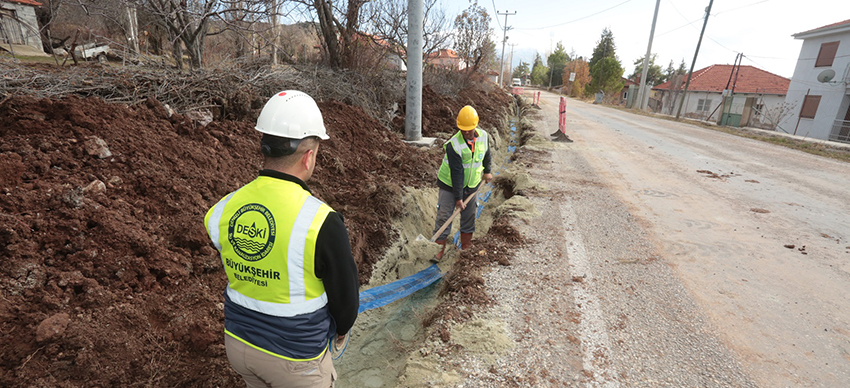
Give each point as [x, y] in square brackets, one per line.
[292, 281]
[465, 164]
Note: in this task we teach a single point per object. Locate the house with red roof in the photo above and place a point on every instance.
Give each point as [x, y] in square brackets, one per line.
[446, 58]
[751, 94]
[19, 27]
[819, 94]
[493, 76]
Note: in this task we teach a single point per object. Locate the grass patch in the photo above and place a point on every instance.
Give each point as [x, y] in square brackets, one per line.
[819, 149]
[30, 59]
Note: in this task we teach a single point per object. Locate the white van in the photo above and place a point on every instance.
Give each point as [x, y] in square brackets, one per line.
[516, 82]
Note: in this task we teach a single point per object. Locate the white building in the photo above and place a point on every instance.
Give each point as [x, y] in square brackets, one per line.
[753, 96]
[820, 87]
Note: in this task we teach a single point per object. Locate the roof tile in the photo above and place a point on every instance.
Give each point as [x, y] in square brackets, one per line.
[27, 2]
[750, 80]
[825, 27]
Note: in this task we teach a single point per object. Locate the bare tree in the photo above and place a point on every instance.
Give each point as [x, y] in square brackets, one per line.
[388, 21]
[339, 23]
[472, 39]
[186, 22]
[677, 82]
[775, 115]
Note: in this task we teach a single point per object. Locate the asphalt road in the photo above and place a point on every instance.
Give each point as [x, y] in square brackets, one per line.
[719, 278]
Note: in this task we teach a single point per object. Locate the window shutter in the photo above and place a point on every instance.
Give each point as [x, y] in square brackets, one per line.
[826, 54]
[810, 107]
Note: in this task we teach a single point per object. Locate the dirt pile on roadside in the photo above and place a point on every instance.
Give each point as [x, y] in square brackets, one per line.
[109, 278]
[439, 113]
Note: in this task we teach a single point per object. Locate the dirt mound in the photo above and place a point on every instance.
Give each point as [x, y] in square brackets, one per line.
[440, 112]
[463, 286]
[362, 169]
[109, 278]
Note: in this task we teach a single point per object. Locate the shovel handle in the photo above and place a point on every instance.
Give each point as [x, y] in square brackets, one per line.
[456, 212]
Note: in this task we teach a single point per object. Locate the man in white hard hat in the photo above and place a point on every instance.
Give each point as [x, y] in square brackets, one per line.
[465, 164]
[292, 283]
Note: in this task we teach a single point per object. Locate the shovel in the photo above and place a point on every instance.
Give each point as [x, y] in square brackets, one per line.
[452, 217]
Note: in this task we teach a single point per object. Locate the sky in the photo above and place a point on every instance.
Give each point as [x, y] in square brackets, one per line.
[760, 29]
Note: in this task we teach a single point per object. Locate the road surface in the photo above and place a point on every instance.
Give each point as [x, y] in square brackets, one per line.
[746, 277]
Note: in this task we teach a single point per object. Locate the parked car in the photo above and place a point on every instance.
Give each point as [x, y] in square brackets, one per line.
[516, 82]
[91, 51]
[88, 51]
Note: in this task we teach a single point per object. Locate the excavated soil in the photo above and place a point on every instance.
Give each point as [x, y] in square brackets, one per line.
[108, 277]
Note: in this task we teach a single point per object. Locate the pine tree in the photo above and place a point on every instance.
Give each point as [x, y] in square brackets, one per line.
[557, 60]
[606, 71]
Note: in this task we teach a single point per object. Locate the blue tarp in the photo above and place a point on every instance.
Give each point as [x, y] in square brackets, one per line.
[383, 295]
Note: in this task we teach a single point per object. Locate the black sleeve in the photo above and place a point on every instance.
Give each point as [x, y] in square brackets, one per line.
[335, 266]
[487, 161]
[456, 167]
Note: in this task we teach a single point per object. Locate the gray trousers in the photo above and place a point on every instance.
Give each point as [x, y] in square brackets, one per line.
[445, 208]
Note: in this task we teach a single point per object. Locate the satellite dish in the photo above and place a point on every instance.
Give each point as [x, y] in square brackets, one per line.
[826, 76]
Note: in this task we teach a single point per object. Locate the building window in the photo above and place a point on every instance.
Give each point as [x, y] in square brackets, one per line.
[826, 54]
[810, 107]
[703, 104]
[758, 108]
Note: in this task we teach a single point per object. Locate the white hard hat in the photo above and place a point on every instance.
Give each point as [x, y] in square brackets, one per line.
[292, 114]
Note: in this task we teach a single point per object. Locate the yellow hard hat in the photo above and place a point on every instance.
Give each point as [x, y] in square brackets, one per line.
[467, 119]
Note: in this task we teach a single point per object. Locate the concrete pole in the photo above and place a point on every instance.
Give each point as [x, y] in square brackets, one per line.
[694, 62]
[511, 61]
[413, 114]
[504, 40]
[643, 95]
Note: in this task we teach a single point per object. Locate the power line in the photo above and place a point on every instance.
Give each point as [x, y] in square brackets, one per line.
[784, 59]
[743, 6]
[691, 23]
[575, 20]
[718, 43]
[751, 60]
[682, 26]
[497, 13]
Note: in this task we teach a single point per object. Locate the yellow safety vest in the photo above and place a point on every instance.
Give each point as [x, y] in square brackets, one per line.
[473, 162]
[266, 233]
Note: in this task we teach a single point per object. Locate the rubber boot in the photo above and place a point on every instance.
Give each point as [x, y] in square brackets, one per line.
[440, 254]
[465, 240]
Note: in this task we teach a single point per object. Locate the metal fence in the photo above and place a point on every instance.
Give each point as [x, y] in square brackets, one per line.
[840, 131]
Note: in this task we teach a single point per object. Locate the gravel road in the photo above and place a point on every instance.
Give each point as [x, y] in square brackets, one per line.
[661, 259]
[659, 254]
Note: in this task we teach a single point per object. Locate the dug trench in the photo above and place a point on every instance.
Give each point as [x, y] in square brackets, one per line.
[109, 278]
[414, 341]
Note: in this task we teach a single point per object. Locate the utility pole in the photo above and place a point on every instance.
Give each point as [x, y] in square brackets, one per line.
[694, 62]
[723, 95]
[504, 40]
[644, 93]
[413, 110]
[511, 59]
